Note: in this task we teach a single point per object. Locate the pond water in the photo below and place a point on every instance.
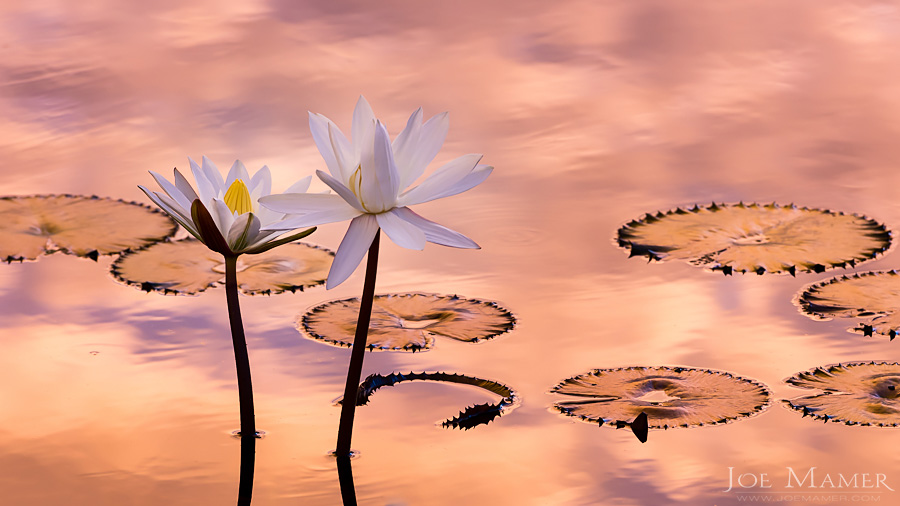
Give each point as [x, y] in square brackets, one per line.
[592, 113]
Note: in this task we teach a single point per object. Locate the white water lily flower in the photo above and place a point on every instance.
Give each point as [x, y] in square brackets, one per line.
[369, 174]
[225, 213]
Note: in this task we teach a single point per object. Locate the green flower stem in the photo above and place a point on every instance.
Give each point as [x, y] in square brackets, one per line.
[245, 387]
[358, 352]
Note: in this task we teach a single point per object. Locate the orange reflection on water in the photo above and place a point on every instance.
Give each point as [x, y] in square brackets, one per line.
[592, 113]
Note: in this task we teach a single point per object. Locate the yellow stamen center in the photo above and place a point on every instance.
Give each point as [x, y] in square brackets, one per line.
[237, 198]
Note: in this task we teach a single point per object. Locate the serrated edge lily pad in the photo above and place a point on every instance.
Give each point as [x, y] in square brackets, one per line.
[874, 320]
[727, 242]
[470, 417]
[819, 378]
[646, 406]
[385, 317]
[211, 261]
[46, 230]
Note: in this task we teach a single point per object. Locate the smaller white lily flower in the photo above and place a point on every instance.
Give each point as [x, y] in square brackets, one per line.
[225, 213]
[369, 174]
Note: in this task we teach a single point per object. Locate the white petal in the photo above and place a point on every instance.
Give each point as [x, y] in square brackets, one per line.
[313, 219]
[238, 171]
[264, 237]
[261, 182]
[214, 176]
[436, 233]
[173, 210]
[347, 159]
[300, 186]
[171, 190]
[266, 215]
[473, 179]
[442, 181]
[386, 173]
[405, 143]
[339, 188]
[376, 168]
[243, 232]
[222, 215]
[318, 126]
[352, 249]
[302, 203]
[206, 189]
[363, 119]
[431, 138]
[400, 231]
[185, 187]
[260, 185]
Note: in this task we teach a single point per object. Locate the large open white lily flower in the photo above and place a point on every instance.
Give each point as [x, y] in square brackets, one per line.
[225, 213]
[369, 174]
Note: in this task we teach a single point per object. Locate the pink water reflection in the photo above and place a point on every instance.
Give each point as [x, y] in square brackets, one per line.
[593, 113]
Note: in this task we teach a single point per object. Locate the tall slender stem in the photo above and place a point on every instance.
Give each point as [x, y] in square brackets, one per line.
[358, 352]
[245, 386]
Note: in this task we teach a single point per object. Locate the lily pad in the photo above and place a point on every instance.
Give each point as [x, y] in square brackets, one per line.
[756, 238]
[408, 321]
[855, 393]
[77, 225]
[471, 416]
[872, 297]
[669, 396]
[188, 267]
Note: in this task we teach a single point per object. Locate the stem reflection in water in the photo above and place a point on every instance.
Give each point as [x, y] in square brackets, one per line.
[345, 477]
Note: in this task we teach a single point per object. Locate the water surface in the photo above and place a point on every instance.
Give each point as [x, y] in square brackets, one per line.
[593, 113]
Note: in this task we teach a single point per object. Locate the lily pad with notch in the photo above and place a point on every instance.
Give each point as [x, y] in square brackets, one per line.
[188, 267]
[854, 393]
[670, 397]
[871, 297]
[408, 321]
[470, 417]
[756, 238]
[77, 225]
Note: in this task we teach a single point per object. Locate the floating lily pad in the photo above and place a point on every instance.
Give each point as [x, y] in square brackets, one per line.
[471, 416]
[669, 396]
[77, 225]
[408, 321]
[756, 238]
[855, 393]
[188, 267]
[872, 297]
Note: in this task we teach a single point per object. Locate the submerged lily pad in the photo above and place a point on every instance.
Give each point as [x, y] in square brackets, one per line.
[470, 417]
[408, 321]
[872, 297]
[77, 225]
[669, 396]
[756, 238]
[855, 393]
[188, 267]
